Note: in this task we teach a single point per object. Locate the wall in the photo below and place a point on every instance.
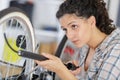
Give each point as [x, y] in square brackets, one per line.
[113, 10]
[4, 4]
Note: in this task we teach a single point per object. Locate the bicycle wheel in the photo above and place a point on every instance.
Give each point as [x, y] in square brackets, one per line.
[16, 33]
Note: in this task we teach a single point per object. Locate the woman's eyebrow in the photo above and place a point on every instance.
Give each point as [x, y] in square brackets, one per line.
[68, 24]
[71, 22]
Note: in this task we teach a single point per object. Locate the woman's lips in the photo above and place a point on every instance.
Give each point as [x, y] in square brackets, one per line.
[75, 41]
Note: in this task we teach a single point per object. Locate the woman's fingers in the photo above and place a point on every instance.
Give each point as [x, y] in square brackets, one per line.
[77, 71]
[53, 63]
[49, 56]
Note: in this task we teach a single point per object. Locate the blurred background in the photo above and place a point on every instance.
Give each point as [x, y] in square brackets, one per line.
[42, 15]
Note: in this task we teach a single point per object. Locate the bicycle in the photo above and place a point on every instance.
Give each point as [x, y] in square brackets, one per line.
[17, 33]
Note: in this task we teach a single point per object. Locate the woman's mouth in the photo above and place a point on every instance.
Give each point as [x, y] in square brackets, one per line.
[75, 41]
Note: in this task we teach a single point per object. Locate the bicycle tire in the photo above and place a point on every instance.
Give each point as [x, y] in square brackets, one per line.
[20, 15]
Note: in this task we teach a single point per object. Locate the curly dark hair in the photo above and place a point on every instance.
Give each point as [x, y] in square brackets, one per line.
[87, 8]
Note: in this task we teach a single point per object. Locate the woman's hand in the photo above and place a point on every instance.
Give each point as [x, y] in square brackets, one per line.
[78, 70]
[53, 63]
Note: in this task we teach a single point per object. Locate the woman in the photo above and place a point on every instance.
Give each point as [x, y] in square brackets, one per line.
[87, 25]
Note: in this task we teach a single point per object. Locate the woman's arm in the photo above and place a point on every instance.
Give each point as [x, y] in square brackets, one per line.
[55, 64]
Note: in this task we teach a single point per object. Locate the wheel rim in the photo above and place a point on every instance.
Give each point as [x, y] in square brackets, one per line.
[15, 24]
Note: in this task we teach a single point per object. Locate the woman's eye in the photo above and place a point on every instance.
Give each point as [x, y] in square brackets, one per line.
[74, 26]
[65, 30]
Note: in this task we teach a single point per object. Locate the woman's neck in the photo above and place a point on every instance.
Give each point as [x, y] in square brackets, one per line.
[96, 39]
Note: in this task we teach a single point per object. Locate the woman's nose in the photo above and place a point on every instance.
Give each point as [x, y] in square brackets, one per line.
[69, 35]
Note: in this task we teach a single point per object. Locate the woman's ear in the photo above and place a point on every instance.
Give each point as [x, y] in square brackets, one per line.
[92, 21]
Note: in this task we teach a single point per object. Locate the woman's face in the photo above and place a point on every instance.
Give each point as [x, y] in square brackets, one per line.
[77, 29]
